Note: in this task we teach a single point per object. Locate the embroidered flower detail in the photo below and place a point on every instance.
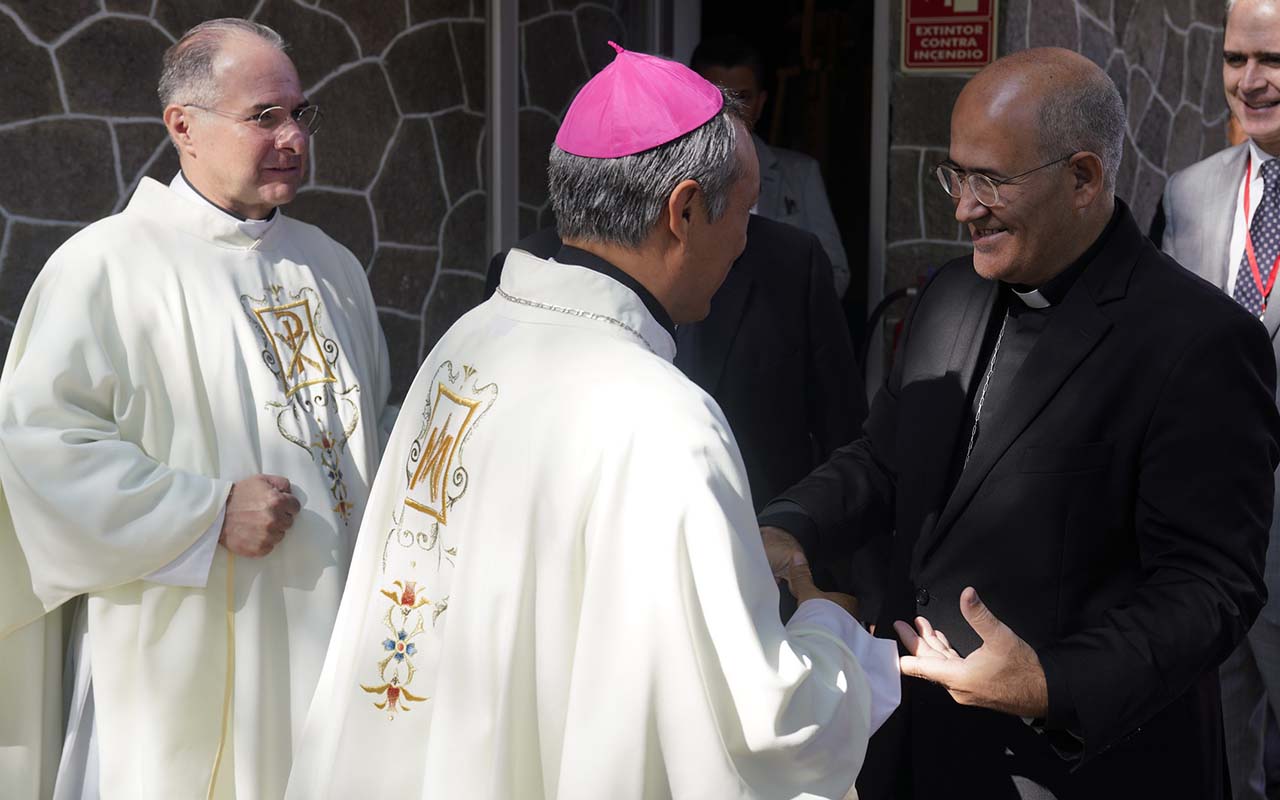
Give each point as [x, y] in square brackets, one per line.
[404, 622]
[406, 598]
[399, 647]
[396, 697]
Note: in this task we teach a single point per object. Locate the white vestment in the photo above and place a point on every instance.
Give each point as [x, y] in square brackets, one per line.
[560, 591]
[163, 354]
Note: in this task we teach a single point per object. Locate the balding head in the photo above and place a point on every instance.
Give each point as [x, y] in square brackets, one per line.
[1069, 103]
[220, 81]
[1035, 145]
[188, 74]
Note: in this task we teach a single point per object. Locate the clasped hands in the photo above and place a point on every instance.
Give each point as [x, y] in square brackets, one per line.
[787, 560]
[1004, 674]
[260, 510]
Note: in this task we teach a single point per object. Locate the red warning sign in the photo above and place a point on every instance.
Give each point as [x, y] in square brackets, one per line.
[948, 35]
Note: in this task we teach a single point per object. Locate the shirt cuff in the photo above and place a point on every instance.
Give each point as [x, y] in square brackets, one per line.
[191, 569]
[877, 657]
[792, 518]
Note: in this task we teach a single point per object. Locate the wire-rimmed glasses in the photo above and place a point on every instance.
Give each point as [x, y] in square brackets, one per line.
[270, 119]
[985, 189]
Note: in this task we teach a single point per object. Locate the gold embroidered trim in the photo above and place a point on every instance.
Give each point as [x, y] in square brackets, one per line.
[228, 690]
[576, 312]
[434, 464]
[434, 479]
[320, 420]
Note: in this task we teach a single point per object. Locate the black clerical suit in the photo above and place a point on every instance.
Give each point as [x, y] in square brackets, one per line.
[1113, 513]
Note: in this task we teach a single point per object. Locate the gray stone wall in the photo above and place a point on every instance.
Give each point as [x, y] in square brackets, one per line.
[562, 44]
[1165, 57]
[397, 171]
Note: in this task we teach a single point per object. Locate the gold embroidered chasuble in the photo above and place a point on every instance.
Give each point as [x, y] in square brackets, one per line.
[559, 588]
[162, 355]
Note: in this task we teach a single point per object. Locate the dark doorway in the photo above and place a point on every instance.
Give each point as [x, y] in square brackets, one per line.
[818, 65]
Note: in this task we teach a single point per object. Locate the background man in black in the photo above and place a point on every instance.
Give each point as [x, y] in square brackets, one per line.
[791, 185]
[775, 354]
[1083, 432]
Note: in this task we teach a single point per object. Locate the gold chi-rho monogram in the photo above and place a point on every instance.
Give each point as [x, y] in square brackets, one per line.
[451, 415]
[291, 331]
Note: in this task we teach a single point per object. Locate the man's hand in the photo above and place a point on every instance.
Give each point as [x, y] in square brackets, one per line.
[780, 547]
[800, 582]
[1004, 674]
[259, 511]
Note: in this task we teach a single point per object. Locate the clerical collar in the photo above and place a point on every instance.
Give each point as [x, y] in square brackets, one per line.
[253, 228]
[1057, 287]
[581, 258]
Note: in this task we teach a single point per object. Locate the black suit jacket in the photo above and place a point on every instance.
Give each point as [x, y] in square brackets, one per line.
[1114, 514]
[774, 352]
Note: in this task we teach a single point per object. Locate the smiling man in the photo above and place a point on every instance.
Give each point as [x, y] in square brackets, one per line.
[189, 423]
[1081, 432]
[1222, 217]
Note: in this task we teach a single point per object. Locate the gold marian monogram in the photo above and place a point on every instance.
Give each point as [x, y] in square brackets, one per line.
[451, 417]
[419, 550]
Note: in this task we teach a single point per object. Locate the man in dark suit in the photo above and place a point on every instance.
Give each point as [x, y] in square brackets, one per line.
[791, 186]
[775, 354]
[1206, 231]
[1083, 432]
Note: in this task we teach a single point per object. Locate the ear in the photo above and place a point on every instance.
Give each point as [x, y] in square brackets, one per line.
[176, 121]
[1087, 176]
[680, 209]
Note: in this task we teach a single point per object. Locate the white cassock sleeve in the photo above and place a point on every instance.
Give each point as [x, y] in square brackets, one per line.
[877, 657]
[191, 568]
[89, 507]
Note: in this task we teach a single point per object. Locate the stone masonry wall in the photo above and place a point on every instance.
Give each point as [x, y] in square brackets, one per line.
[1165, 57]
[397, 173]
[562, 44]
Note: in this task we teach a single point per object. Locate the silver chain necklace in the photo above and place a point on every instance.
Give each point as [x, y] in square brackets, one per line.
[986, 383]
[575, 312]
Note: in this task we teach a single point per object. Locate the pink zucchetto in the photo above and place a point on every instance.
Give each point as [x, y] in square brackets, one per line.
[635, 104]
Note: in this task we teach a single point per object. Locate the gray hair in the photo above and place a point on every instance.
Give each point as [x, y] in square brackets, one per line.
[1086, 115]
[618, 201]
[187, 74]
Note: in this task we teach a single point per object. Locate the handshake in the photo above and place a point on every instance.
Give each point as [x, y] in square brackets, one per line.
[1004, 674]
[788, 562]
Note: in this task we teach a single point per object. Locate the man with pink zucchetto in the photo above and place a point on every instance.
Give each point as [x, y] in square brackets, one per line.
[560, 589]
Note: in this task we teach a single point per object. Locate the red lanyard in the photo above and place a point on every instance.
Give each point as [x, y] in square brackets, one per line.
[1265, 291]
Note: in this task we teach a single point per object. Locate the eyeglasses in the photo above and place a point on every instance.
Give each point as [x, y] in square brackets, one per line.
[986, 190]
[270, 119]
